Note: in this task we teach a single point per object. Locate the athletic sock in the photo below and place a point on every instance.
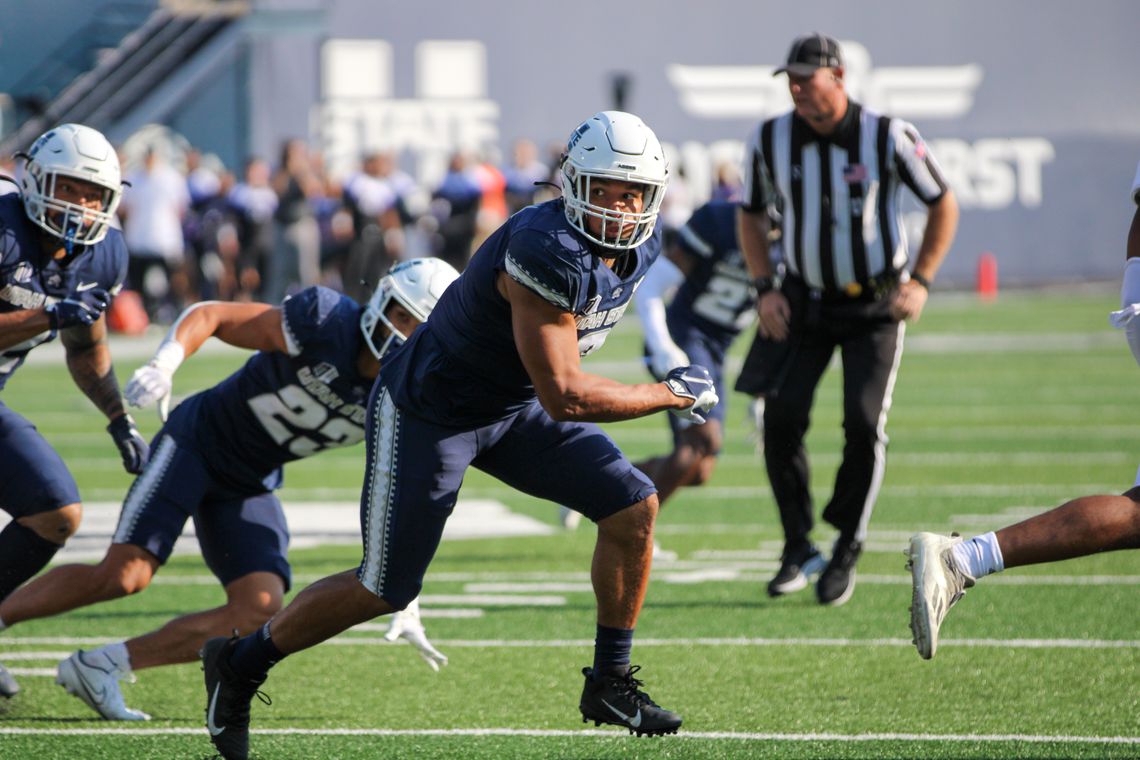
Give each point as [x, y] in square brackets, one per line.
[255, 654]
[612, 648]
[118, 655]
[23, 553]
[980, 556]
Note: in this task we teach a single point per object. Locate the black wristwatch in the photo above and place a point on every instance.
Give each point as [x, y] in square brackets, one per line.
[920, 280]
[764, 284]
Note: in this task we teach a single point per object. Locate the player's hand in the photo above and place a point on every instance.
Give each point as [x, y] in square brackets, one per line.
[406, 625]
[148, 384]
[695, 383]
[665, 359]
[132, 446]
[83, 308]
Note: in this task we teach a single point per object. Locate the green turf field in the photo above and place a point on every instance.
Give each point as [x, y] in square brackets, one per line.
[1001, 409]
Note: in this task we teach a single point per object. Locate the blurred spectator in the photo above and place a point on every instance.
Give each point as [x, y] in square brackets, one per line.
[523, 174]
[493, 196]
[728, 185]
[253, 203]
[153, 206]
[295, 263]
[203, 179]
[375, 195]
[455, 203]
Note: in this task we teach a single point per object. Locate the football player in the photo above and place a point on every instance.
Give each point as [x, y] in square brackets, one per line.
[713, 300]
[943, 567]
[494, 380]
[61, 263]
[218, 458]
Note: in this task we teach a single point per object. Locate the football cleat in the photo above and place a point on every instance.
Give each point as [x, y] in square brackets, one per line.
[93, 678]
[8, 686]
[836, 583]
[228, 697]
[796, 566]
[937, 583]
[617, 700]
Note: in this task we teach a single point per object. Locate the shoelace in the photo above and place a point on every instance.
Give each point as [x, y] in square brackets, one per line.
[628, 685]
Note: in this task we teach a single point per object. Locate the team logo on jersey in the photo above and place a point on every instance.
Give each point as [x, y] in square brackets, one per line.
[617, 293]
[54, 280]
[325, 372]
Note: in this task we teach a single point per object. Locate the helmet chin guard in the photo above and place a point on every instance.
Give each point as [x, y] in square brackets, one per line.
[416, 285]
[613, 145]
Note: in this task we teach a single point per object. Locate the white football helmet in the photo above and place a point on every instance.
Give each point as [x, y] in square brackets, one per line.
[71, 150]
[613, 145]
[415, 284]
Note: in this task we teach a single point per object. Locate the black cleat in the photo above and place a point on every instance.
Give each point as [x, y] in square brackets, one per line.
[228, 697]
[8, 686]
[797, 564]
[837, 581]
[617, 700]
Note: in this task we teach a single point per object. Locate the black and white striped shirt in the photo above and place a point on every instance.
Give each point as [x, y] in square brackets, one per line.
[839, 194]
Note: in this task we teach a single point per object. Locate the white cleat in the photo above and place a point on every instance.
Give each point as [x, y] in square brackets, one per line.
[93, 678]
[569, 518]
[937, 583]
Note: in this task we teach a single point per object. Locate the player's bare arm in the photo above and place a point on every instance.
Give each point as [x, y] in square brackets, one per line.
[255, 326]
[547, 340]
[89, 361]
[21, 325]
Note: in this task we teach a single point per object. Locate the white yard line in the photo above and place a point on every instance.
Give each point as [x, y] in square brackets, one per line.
[595, 733]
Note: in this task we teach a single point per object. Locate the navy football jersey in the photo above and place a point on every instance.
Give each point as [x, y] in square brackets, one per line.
[717, 297]
[281, 407]
[462, 366]
[29, 279]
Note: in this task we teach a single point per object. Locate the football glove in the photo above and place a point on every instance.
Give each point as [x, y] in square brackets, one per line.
[406, 625]
[664, 359]
[149, 384]
[155, 381]
[83, 308]
[132, 446]
[692, 382]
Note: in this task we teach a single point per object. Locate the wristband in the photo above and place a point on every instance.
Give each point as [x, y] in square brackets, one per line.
[764, 284]
[920, 280]
[169, 355]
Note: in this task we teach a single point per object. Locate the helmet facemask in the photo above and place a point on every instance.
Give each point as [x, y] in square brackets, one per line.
[416, 285]
[616, 146]
[71, 152]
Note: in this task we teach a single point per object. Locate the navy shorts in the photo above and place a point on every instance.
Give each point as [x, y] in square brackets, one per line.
[33, 477]
[240, 532]
[415, 469]
[710, 355]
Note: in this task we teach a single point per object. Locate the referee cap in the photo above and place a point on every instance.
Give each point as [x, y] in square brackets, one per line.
[811, 52]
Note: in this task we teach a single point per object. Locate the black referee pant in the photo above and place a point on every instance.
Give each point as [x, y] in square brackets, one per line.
[870, 343]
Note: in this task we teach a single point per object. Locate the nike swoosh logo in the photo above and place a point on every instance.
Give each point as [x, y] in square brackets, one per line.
[214, 730]
[97, 695]
[634, 722]
[85, 286]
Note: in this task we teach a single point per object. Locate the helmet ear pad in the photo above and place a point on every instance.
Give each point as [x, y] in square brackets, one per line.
[415, 284]
[77, 152]
[613, 145]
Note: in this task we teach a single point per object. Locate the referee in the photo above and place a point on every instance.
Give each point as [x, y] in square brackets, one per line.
[835, 172]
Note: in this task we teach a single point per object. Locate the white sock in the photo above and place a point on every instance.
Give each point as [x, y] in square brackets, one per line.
[980, 556]
[118, 655]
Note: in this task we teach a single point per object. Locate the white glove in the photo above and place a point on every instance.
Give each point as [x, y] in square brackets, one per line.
[665, 359]
[1126, 318]
[149, 384]
[406, 625]
[155, 381]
